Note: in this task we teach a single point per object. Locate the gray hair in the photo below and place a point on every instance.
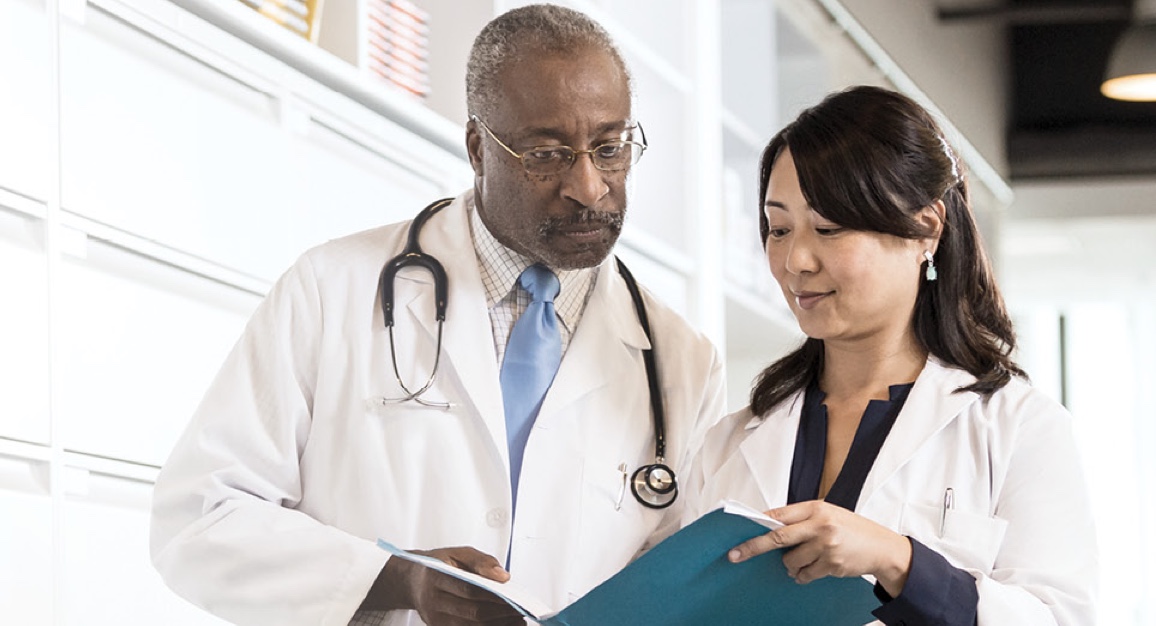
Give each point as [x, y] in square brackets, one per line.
[538, 27]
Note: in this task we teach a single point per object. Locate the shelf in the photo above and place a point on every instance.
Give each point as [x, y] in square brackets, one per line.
[12, 448]
[112, 467]
[19, 203]
[325, 68]
[165, 255]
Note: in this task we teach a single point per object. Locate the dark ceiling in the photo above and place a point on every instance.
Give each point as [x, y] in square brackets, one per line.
[1059, 125]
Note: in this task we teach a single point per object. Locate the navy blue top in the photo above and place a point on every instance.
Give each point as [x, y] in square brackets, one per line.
[936, 592]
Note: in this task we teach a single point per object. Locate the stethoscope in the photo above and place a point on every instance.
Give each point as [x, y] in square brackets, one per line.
[654, 485]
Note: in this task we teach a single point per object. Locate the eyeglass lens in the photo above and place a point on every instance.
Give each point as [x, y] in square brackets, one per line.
[610, 156]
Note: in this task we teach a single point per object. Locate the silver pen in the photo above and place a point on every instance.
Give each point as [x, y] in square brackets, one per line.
[622, 490]
[948, 504]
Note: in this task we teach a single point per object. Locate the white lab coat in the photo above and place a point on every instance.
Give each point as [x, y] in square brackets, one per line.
[1021, 523]
[269, 506]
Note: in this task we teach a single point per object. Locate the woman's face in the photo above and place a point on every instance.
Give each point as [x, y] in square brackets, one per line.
[842, 285]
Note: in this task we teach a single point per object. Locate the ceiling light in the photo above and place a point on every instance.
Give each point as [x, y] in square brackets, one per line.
[1131, 71]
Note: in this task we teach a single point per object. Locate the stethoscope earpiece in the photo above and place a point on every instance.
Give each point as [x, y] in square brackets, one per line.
[654, 486]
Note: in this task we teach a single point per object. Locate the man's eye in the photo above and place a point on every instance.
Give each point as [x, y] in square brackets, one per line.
[610, 151]
[543, 155]
[777, 233]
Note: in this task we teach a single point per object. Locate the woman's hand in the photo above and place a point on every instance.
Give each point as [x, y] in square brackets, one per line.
[828, 540]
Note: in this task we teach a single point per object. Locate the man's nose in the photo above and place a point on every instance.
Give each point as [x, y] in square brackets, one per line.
[584, 183]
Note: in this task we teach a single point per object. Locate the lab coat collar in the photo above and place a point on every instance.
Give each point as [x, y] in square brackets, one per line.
[769, 447]
[467, 335]
[930, 406]
[603, 346]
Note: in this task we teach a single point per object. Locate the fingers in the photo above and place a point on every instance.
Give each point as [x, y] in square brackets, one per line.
[444, 600]
[798, 512]
[760, 545]
[806, 562]
[477, 562]
[451, 609]
[826, 540]
[801, 521]
[448, 601]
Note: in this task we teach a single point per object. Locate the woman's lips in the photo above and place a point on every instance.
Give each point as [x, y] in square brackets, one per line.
[807, 300]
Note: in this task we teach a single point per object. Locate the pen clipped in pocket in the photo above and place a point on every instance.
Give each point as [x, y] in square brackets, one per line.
[967, 539]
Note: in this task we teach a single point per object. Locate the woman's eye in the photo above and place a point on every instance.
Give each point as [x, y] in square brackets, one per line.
[828, 230]
[777, 233]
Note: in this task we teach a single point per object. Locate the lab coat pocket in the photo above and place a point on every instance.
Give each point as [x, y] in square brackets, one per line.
[966, 539]
[608, 501]
[614, 524]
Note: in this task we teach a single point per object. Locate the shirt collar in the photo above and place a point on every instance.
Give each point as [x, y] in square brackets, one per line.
[501, 267]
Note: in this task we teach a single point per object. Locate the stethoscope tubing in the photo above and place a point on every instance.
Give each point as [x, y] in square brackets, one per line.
[653, 485]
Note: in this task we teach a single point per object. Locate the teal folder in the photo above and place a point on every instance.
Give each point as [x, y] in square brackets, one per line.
[687, 580]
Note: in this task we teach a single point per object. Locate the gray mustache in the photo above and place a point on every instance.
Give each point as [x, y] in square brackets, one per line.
[585, 218]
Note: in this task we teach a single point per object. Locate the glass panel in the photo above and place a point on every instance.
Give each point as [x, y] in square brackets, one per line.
[23, 330]
[745, 262]
[759, 332]
[1102, 393]
[660, 25]
[25, 544]
[662, 282]
[348, 188]
[1038, 347]
[26, 74]
[140, 343]
[160, 145]
[658, 202]
[805, 74]
[109, 577]
[749, 72]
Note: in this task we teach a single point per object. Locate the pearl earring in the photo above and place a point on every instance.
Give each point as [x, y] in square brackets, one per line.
[931, 273]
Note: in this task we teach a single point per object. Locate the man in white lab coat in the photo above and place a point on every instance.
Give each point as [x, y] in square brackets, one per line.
[305, 449]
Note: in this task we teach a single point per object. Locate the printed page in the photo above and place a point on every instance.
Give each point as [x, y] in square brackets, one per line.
[518, 597]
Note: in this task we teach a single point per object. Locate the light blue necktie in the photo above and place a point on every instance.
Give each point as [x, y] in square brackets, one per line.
[532, 357]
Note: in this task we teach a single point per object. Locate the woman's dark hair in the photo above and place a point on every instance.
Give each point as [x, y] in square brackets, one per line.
[869, 159]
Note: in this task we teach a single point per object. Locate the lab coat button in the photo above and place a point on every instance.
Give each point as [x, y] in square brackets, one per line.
[496, 518]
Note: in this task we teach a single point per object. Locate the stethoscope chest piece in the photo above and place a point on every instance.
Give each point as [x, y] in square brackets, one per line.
[654, 485]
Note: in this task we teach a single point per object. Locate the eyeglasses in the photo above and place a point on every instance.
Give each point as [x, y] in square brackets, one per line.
[610, 156]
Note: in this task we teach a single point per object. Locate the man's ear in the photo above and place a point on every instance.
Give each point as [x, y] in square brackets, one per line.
[474, 146]
[931, 218]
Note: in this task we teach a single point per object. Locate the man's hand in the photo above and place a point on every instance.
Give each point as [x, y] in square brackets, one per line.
[439, 599]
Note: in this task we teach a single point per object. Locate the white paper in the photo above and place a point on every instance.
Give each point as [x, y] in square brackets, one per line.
[738, 508]
[517, 596]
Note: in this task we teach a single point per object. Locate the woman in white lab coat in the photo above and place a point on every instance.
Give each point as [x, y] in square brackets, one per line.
[900, 441]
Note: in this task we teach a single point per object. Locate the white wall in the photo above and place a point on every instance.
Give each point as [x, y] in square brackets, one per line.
[156, 174]
[132, 230]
